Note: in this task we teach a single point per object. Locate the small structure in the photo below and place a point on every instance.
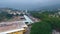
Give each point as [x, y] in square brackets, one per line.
[14, 12]
[28, 20]
[55, 32]
[15, 27]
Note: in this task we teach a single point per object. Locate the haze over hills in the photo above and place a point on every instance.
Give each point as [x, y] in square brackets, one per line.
[30, 4]
[57, 6]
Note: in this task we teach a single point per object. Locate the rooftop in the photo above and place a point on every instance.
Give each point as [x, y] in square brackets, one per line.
[9, 26]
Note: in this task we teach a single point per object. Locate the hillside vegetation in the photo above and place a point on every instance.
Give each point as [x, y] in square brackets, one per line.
[49, 21]
[5, 16]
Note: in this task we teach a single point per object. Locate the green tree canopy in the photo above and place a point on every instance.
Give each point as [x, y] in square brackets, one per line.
[41, 28]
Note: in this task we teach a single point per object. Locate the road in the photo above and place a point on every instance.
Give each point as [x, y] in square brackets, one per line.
[29, 19]
[29, 27]
[28, 30]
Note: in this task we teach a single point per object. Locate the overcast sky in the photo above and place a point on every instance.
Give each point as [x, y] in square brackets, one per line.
[27, 3]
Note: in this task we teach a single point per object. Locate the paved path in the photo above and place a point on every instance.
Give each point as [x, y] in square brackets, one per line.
[28, 30]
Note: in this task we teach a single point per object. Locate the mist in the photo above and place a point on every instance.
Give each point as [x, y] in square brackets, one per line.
[27, 4]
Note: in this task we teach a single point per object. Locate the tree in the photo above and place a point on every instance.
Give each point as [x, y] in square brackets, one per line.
[5, 15]
[41, 28]
[47, 23]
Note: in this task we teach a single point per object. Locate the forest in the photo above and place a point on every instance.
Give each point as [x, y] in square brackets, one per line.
[49, 21]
